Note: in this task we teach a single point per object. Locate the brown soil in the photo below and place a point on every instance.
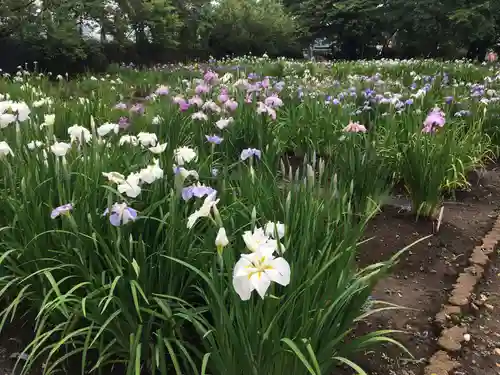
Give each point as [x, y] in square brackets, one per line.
[481, 356]
[425, 274]
[12, 342]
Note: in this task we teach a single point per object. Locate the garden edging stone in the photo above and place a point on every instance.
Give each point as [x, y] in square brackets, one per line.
[448, 319]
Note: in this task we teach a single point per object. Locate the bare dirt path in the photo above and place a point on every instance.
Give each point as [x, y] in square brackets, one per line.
[481, 356]
[425, 275]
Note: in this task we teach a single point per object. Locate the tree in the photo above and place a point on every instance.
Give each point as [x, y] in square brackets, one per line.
[252, 26]
[476, 23]
[427, 28]
[353, 26]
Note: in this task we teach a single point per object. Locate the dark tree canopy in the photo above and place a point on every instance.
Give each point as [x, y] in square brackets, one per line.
[91, 34]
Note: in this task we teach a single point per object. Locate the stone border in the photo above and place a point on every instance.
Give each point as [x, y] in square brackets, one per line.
[448, 319]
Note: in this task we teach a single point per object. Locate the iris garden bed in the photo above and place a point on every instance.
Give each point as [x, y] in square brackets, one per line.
[216, 223]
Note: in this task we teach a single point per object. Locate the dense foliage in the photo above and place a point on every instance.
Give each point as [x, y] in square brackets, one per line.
[422, 28]
[70, 35]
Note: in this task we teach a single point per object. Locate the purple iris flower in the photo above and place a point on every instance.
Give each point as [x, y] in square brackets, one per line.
[209, 77]
[231, 105]
[183, 106]
[409, 102]
[448, 99]
[368, 92]
[61, 210]
[201, 89]
[223, 96]
[137, 108]
[123, 123]
[279, 86]
[253, 88]
[198, 191]
[273, 101]
[215, 139]
[201, 191]
[434, 120]
[120, 214]
[245, 154]
[162, 90]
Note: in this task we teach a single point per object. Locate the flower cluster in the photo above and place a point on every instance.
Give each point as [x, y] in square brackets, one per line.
[131, 185]
[264, 264]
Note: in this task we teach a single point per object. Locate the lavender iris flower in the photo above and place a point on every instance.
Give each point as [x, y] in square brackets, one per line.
[198, 191]
[123, 123]
[162, 90]
[183, 106]
[137, 108]
[245, 154]
[231, 105]
[215, 139]
[120, 214]
[279, 86]
[210, 77]
[201, 89]
[61, 210]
